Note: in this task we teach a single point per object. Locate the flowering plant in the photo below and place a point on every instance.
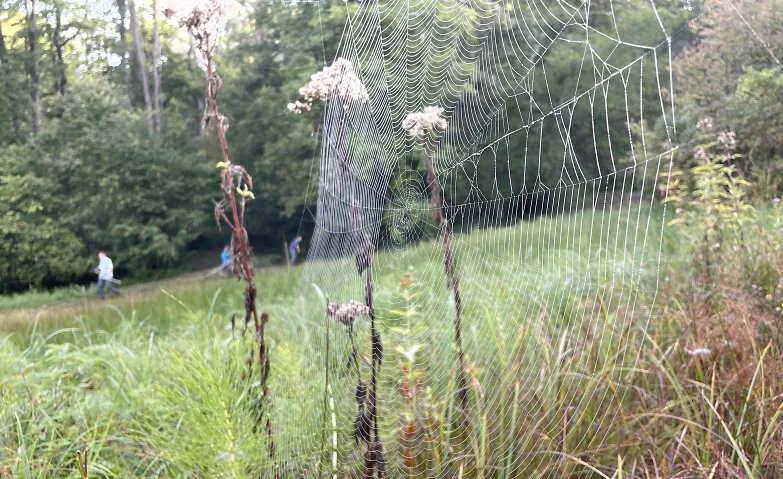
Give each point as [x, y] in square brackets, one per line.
[339, 79]
[711, 200]
[421, 123]
[201, 18]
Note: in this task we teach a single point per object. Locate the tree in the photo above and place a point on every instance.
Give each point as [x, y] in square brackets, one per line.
[60, 39]
[32, 62]
[731, 74]
[123, 47]
[37, 249]
[138, 40]
[11, 85]
[156, 66]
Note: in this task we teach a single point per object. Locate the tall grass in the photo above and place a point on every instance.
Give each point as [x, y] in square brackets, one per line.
[571, 376]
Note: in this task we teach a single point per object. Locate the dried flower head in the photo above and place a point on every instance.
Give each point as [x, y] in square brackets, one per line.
[422, 123]
[346, 313]
[201, 18]
[704, 124]
[298, 106]
[339, 79]
[728, 139]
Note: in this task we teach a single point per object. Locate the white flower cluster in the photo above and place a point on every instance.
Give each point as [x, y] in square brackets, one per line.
[347, 312]
[728, 139]
[339, 78]
[422, 123]
[704, 124]
[299, 106]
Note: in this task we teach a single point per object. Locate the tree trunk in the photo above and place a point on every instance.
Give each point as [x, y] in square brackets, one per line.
[198, 100]
[156, 91]
[32, 63]
[123, 46]
[58, 42]
[15, 119]
[136, 32]
[4, 71]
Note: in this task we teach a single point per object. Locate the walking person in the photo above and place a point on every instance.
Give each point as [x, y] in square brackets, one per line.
[293, 249]
[105, 275]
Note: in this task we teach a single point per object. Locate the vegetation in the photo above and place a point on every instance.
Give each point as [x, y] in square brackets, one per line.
[146, 388]
[79, 171]
[550, 370]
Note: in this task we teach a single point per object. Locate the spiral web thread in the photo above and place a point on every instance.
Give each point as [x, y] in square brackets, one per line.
[549, 270]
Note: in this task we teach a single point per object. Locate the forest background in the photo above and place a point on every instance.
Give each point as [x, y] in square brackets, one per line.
[101, 145]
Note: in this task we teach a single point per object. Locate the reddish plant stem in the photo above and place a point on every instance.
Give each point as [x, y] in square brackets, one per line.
[236, 224]
[238, 220]
[374, 456]
[436, 195]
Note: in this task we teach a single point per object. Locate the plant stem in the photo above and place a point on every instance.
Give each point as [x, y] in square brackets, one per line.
[237, 225]
[451, 276]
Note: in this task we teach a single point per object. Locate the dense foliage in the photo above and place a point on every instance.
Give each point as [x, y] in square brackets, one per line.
[96, 153]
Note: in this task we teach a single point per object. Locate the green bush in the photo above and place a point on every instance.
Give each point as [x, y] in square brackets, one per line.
[96, 181]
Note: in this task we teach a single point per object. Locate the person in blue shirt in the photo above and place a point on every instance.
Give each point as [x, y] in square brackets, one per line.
[293, 249]
[225, 261]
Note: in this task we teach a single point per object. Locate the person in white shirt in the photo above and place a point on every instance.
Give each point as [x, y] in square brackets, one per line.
[105, 275]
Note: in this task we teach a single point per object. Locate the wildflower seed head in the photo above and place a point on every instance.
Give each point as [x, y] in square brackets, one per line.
[346, 313]
[338, 79]
[420, 124]
[201, 18]
[728, 139]
[299, 107]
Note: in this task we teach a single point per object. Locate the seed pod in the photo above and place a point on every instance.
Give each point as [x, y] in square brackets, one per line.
[361, 393]
[380, 463]
[369, 462]
[361, 427]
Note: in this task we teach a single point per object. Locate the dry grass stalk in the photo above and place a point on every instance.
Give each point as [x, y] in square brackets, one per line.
[421, 125]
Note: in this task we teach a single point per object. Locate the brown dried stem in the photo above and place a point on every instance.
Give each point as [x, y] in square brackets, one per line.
[233, 178]
[436, 202]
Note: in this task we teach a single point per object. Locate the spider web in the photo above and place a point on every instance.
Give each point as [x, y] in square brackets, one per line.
[554, 199]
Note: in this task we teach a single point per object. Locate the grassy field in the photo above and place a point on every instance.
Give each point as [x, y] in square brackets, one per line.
[577, 368]
[195, 265]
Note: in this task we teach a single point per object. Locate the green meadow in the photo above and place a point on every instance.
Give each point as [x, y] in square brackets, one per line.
[577, 368]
